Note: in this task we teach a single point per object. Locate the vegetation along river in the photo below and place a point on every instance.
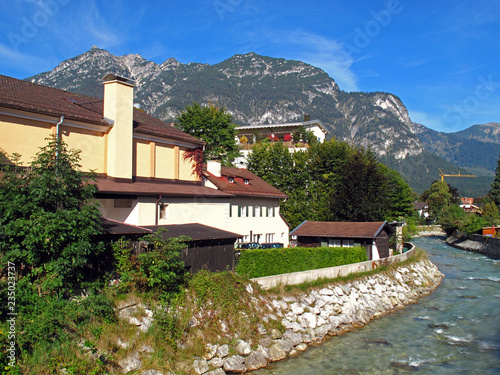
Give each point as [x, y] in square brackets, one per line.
[454, 330]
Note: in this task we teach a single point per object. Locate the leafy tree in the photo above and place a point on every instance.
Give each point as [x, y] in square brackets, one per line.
[437, 197]
[400, 196]
[495, 185]
[214, 126]
[49, 220]
[451, 217]
[332, 181]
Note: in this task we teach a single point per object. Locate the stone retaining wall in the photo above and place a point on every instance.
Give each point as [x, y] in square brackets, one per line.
[310, 318]
[489, 246]
[295, 278]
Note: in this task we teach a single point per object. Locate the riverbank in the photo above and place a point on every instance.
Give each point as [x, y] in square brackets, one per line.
[489, 246]
[309, 318]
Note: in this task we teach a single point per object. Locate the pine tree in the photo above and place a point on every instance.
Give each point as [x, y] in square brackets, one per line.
[495, 185]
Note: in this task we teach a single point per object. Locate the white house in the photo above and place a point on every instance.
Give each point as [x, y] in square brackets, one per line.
[254, 208]
[248, 135]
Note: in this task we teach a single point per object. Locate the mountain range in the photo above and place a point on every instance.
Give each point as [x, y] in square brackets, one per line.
[259, 90]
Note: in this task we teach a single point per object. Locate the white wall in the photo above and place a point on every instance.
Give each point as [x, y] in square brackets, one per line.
[214, 212]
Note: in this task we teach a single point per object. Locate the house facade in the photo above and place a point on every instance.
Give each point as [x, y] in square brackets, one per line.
[144, 177]
[374, 236]
[254, 208]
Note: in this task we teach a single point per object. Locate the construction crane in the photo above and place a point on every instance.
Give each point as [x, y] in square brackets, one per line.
[443, 175]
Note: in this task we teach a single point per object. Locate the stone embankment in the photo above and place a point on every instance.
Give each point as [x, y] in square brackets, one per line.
[489, 246]
[310, 318]
[430, 230]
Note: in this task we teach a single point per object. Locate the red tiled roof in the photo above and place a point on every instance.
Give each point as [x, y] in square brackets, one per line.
[340, 229]
[256, 186]
[110, 186]
[30, 97]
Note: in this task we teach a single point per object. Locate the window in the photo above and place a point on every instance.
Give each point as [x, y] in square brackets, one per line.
[243, 211]
[163, 211]
[256, 211]
[230, 180]
[270, 237]
[347, 243]
[256, 237]
[334, 243]
[246, 181]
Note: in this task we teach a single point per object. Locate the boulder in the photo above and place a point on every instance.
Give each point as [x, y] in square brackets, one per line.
[307, 320]
[200, 366]
[242, 347]
[223, 351]
[234, 365]
[255, 361]
[276, 353]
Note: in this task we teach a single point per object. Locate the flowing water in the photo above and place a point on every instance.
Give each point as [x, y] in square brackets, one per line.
[454, 330]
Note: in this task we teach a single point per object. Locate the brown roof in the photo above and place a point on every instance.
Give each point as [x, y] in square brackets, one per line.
[256, 186]
[195, 232]
[31, 97]
[340, 229]
[110, 186]
[116, 227]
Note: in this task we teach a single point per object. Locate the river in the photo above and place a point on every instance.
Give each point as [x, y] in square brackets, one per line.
[454, 330]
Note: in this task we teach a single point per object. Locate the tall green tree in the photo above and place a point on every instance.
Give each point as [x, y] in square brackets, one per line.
[495, 185]
[49, 220]
[332, 181]
[437, 197]
[214, 126]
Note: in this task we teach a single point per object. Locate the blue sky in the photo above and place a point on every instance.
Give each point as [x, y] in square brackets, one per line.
[440, 57]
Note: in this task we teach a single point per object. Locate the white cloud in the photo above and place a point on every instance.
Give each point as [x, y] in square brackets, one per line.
[322, 52]
[102, 34]
[13, 60]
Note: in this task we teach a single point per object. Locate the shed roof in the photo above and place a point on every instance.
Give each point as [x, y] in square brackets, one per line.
[341, 229]
[195, 231]
[116, 227]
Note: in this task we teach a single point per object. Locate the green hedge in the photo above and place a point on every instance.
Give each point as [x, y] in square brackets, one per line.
[267, 262]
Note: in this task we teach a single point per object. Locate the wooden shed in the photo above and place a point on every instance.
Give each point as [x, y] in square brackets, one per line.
[374, 236]
[208, 248]
[115, 230]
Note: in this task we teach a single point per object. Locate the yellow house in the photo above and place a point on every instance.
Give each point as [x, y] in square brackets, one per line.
[144, 177]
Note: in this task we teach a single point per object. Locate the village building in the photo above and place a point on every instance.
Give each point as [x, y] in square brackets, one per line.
[248, 135]
[374, 236]
[145, 176]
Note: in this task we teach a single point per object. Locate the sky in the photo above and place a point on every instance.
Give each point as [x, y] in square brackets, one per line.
[441, 58]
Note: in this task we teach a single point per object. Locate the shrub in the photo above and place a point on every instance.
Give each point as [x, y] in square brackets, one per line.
[159, 269]
[265, 262]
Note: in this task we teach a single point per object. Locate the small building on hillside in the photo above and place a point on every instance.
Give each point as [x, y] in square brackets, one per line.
[286, 133]
[374, 236]
[208, 248]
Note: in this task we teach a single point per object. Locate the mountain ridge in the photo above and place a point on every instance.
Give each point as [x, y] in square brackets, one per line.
[259, 89]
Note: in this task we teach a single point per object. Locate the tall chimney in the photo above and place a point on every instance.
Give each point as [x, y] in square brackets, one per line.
[119, 111]
[307, 118]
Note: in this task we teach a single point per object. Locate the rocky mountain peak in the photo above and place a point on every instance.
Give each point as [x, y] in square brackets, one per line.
[259, 89]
